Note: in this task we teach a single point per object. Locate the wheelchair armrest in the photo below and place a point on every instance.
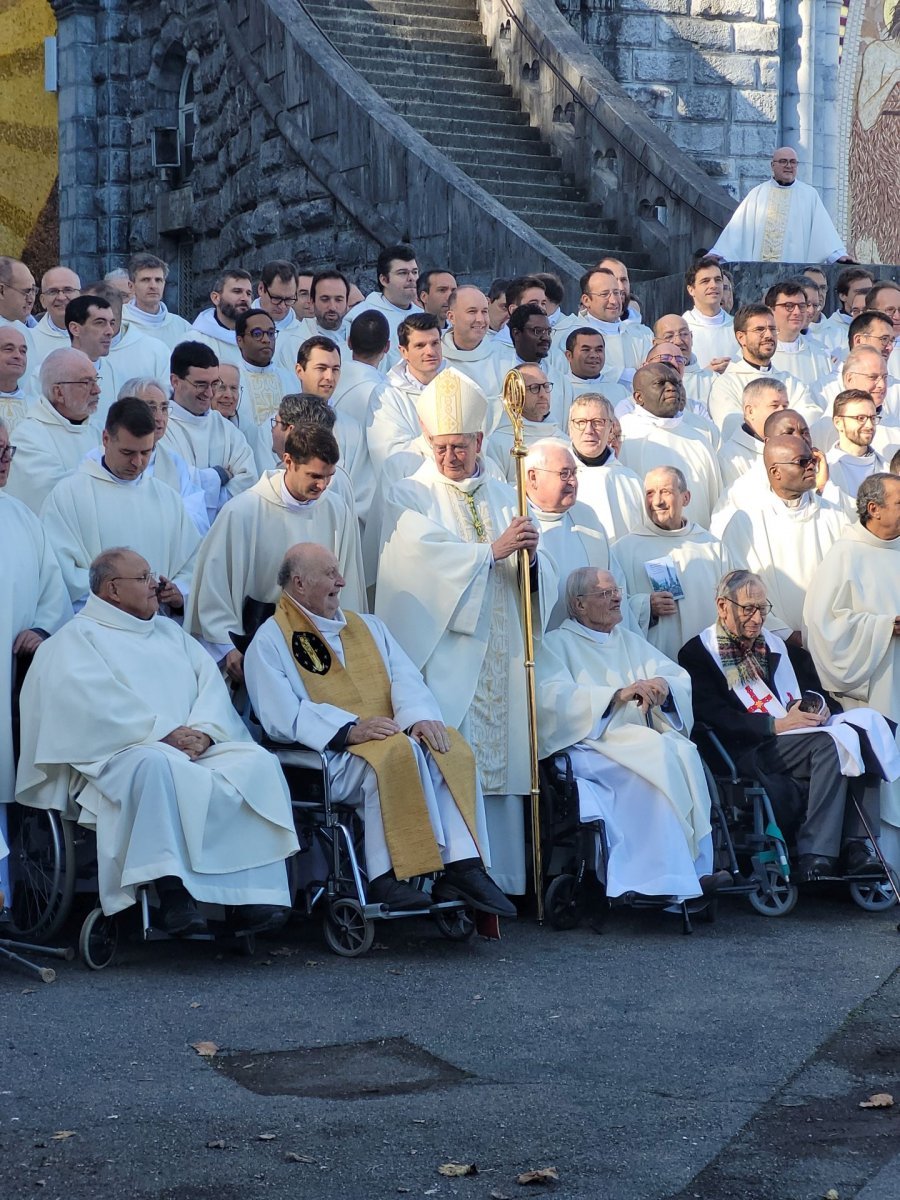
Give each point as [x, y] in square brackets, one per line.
[707, 738]
[295, 754]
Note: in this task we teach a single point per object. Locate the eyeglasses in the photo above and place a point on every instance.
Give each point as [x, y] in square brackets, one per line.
[263, 335]
[54, 293]
[542, 331]
[277, 423]
[145, 578]
[795, 462]
[749, 611]
[566, 475]
[862, 418]
[606, 295]
[406, 273]
[28, 293]
[534, 388]
[604, 594]
[280, 300]
[8, 453]
[202, 388]
[583, 423]
[228, 389]
[790, 305]
[785, 162]
[88, 383]
[883, 339]
[671, 358]
[871, 378]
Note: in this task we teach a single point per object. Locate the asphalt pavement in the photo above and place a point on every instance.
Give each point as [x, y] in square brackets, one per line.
[640, 1064]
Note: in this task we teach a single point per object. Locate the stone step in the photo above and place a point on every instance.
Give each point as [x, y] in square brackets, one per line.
[506, 192]
[517, 177]
[521, 139]
[418, 53]
[431, 107]
[399, 58]
[467, 157]
[568, 211]
[417, 32]
[450, 81]
[481, 126]
[431, 28]
[464, 9]
[557, 229]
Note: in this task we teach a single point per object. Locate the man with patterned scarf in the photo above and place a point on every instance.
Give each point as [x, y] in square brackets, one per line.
[746, 690]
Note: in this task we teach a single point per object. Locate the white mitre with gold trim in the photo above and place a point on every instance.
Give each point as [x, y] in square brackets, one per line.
[452, 403]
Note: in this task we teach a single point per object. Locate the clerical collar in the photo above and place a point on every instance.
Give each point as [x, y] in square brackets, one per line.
[550, 518]
[608, 328]
[600, 461]
[115, 478]
[252, 369]
[146, 318]
[329, 627]
[754, 366]
[797, 505]
[778, 183]
[596, 635]
[184, 414]
[793, 347]
[651, 527]
[292, 502]
[55, 328]
[18, 394]
[750, 433]
[702, 319]
[648, 418]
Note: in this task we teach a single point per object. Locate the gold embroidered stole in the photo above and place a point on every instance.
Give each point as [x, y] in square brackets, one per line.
[362, 686]
[776, 224]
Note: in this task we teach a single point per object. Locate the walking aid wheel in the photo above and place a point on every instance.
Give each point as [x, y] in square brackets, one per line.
[456, 924]
[347, 931]
[562, 903]
[875, 896]
[99, 940]
[780, 900]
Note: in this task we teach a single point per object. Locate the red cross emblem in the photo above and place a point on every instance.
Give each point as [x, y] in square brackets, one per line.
[759, 702]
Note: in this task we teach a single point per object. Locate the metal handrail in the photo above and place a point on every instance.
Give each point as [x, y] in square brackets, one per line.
[573, 92]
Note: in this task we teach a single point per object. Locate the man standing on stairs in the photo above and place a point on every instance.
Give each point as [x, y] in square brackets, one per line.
[232, 294]
[396, 297]
[435, 292]
[524, 289]
[711, 326]
[393, 423]
[468, 347]
[601, 299]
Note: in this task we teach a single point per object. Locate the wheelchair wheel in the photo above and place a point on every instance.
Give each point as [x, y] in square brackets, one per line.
[783, 897]
[99, 940]
[42, 871]
[347, 930]
[456, 924]
[562, 903]
[873, 896]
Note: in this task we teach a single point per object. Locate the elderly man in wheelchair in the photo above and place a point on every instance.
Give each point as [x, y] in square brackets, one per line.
[339, 683]
[822, 771]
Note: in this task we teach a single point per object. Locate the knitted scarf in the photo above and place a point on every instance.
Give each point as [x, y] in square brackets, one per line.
[740, 662]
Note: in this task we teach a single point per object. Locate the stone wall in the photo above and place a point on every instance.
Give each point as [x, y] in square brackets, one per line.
[706, 71]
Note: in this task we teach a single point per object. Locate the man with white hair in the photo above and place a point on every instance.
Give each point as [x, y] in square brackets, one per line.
[33, 604]
[609, 488]
[537, 422]
[864, 370]
[56, 433]
[339, 682]
[13, 367]
[110, 498]
[743, 450]
[571, 535]
[622, 712]
[448, 590]
[671, 565]
[165, 772]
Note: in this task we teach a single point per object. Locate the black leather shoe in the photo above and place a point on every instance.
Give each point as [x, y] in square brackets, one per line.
[179, 915]
[715, 882]
[472, 884]
[389, 890]
[859, 858]
[259, 918]
[811, 867]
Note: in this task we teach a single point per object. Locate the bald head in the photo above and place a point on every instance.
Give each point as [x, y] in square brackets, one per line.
[311, 575]
[674, 329]
[669, 353]
[784, 165]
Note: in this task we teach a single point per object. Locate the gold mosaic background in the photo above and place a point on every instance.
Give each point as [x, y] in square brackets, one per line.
[28, 125]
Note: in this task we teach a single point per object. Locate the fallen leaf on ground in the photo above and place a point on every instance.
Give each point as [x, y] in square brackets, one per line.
[293, 1156]
[432, 1191]
[457, 1170]
[62, 1134]
[205, 1049]
[218, 1144]
[286, 950]
[27, 991]
[541, 1175]
[195, 1004]
[496, 1194]
[831, 1194]
[879, 1100]
[312, 962]
[266, 1137]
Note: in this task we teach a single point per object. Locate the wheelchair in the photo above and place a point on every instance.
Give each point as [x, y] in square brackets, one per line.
[570, 848]
[53, 866]
[759, 849]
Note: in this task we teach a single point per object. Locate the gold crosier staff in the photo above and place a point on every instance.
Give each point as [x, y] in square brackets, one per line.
[514, 403]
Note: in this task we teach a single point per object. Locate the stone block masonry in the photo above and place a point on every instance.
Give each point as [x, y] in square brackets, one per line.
[708, 71]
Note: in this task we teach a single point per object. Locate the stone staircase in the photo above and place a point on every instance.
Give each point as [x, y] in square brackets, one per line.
[429, 60]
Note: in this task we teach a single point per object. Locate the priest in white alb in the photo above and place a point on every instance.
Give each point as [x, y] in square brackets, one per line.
[742, 451]
[854, 458]
[448, 590]
[56, 433]
[671, 565]
[712, 328]
[537, 421]
[13, 366]
[240, 555]
[338, 682]
[110, 498]
[781, 220]
[262, 383]
[613, 491]
[33, 604]
[785, 535]
[128, 728]
[852, 621]
[467, 346]
[622, 712]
